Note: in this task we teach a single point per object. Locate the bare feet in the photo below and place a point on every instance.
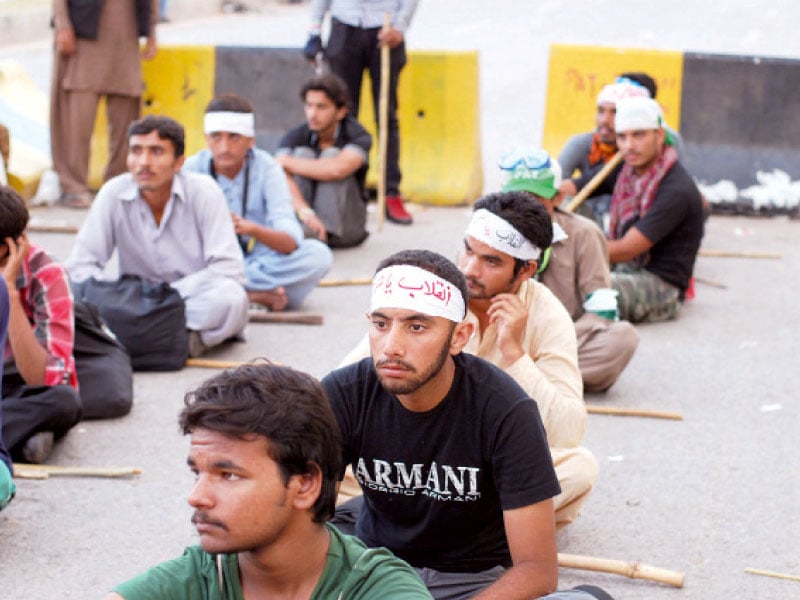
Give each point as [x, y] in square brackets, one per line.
[273, 299]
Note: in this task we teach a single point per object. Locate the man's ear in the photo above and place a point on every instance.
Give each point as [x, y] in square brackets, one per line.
[526, 272]
[341, 113]
[179, 163]
[461, 334]
[307, 487]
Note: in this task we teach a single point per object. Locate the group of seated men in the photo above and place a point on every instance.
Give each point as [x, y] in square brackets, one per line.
[472, 504]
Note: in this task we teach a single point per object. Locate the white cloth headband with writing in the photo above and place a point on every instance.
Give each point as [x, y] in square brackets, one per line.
[232, 122]
[412, 288]
[498, 233]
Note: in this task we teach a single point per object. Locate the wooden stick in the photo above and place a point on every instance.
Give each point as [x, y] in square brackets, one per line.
[711, 282]
[621, 411]
[26, 471]
[753, 571]
[338, 282]
[634, 570]
[210, 363]
[582, 195]
[285, 316]
[735, 254]
[383, 123]
[51, 228]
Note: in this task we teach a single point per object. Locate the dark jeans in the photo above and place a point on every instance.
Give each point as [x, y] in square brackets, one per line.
[30, 409]
[351, 50]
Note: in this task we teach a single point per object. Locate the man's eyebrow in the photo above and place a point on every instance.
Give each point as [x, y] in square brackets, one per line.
[412, 317]
[220, 464]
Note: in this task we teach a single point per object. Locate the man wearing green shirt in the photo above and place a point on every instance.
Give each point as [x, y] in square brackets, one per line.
[265, 451]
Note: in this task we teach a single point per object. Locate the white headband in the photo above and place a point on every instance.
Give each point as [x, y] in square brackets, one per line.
[413, 288]
[232, 122]
[498, 233]
[638, 113]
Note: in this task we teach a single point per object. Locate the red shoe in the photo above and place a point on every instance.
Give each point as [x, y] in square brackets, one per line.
[396, 211]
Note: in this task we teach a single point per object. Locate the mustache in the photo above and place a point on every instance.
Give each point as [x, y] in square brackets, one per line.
[144, 172]
[475, 282]
[203, 518]
[395, 363]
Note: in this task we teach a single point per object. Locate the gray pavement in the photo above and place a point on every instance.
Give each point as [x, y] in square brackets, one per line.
[708, 496]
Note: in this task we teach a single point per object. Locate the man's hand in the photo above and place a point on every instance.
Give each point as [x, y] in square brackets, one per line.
[285, 161]
[312, 48]
[390, 37]
[17, 251]
[242, 226]
[310, 220]
[150, 48]
[568, 188]
[65, 41]
[511, 317]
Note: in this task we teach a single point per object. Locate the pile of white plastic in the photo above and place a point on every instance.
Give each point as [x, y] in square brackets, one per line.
[775, 191]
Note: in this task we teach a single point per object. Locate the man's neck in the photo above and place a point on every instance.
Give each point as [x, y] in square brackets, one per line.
[157, 200]
[229, 172]
[479, 308]
[327, 137]
[276, 572]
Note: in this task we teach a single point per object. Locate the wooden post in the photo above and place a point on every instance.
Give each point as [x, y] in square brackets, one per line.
[634, 570]
[621, 411]
[383, 123]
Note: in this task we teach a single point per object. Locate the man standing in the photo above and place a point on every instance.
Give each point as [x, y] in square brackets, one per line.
[326, 164]
[656, 218]
[40, 383]
[168, 226]
[575, 268]
[265, 453]
[355, 43]
[282, 267]
[96, 55]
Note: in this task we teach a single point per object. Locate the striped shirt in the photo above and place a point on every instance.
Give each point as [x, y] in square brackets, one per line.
[46, 298]
[366, 14]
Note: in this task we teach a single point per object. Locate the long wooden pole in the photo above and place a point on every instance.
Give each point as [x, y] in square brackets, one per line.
[26, 471]
[383, 123]
[341, 282]
[775, 574]
[621, 411]
[634, 570]
[594, 182]
[735, 254]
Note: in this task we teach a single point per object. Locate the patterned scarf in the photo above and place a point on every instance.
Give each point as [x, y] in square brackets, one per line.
[634, 194]
[600, 151]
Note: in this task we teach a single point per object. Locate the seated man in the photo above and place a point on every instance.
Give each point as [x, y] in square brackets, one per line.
[575, 269]
[40, 383]
[325, 161]
[656, 218]
[265, 451]
[168, 226]
[521, 327]
[7, 487]
[589, 152]
[282, 268]
[450, 452]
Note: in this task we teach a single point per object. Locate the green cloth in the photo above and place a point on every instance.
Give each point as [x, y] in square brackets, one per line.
[352, 572]
[7, 487]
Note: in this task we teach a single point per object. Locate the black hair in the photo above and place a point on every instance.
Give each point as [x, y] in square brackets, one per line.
[331, 85]
[644, 80]
[230, 103]
[525, 214]
[167, 129]
[288, 407]
[13, 214]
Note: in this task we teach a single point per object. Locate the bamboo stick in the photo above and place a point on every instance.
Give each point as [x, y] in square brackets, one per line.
[736, 254]
[634, 570]
[775, 574]
[383, 123]
[210, 363]
[582, 195]
[342, 282]
[51, 228]
[26, 471]
[621, 411]
[285, 316]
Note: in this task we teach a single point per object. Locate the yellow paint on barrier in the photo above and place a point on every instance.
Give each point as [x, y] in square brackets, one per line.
[578, 73]
[439, 120]
[193, 68]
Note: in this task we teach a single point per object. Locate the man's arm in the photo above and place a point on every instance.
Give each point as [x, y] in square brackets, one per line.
[64, 33]
[150, 47]
[531, 534]
[327, 168]
[631, 245]
[95, 241]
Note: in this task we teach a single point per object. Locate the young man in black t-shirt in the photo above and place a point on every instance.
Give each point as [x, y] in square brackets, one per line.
[450, 452]
[325, 161]
[656, 218]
